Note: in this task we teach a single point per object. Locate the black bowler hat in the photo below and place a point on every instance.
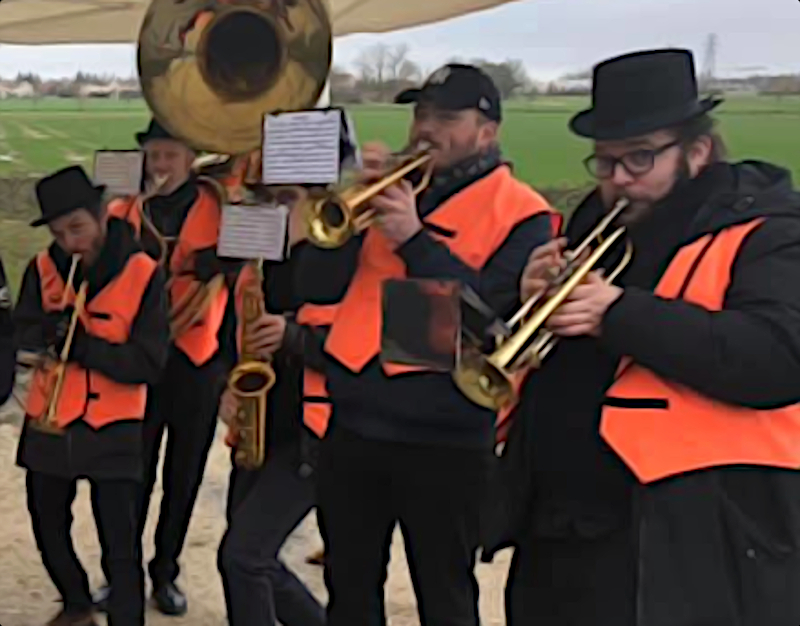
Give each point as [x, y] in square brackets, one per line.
[154, 131]
[65, 191]
[639, 93]
[456, 87]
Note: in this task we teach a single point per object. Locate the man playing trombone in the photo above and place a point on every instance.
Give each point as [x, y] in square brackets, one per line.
[653, 459]
[93, 304]
[406, 446]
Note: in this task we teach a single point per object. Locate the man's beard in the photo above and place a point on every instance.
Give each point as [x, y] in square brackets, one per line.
[641, 208]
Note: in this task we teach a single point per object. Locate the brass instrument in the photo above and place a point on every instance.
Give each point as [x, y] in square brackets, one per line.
[335, 217]
[250, 381]
[48, 422]
[211, 70]
[489, 380]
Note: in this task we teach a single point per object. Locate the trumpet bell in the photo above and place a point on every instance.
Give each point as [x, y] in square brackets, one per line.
[211, 69]
[484, 383]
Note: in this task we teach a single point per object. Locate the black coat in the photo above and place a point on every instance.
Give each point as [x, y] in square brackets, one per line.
[113, 451]
[721, 546]
[7, 351]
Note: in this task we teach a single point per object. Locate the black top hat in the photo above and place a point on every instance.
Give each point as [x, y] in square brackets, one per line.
[65, 191]
[642, 92]
[456, 87]
[154, 131]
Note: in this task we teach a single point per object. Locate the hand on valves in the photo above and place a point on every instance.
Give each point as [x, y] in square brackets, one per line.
[584, 308]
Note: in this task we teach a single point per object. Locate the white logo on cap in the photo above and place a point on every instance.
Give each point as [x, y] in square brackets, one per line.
[439, 76]
[483, 104]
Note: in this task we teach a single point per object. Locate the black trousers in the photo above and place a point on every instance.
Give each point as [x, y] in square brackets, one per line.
[435, 493]
[574, 581]
[114, 503]
[185, 403]
[264, 507]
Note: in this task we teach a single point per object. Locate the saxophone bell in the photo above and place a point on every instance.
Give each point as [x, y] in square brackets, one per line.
[250, 381]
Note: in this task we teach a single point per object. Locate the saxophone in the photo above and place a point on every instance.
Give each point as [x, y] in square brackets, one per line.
[251, 380]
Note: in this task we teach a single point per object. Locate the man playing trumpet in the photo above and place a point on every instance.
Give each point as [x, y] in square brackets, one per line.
[653, 459]
[97, 303]
[406, 446]
[178, 224]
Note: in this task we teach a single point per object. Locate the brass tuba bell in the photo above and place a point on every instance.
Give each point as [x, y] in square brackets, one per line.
[211, 69]
[490, 380]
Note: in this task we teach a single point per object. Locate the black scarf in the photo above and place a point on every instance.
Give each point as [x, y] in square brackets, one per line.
[448, 182]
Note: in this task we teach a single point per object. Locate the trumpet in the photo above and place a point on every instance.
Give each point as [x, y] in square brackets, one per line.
[250, 382]
[335, 217]
[489, 380]
[50, 421]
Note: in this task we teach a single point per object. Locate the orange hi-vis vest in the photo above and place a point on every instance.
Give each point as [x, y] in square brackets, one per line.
[200, 231]
[502, 203]
[661, 428]
[109, 315]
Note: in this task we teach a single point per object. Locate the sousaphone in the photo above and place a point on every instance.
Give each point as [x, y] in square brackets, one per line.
[210, 71]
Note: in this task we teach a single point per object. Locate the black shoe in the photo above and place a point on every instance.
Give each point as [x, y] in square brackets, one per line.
[100, 599]
[170, 600]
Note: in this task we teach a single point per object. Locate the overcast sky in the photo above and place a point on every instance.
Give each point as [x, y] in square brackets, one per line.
[550, 36]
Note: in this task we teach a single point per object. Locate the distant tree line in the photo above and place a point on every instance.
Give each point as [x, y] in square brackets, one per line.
[381, 71]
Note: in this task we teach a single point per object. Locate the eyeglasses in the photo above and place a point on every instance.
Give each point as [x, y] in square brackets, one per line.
[636, 162]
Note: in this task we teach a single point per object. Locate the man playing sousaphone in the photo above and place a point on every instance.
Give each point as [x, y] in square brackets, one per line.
[96, 302]
[178, 223]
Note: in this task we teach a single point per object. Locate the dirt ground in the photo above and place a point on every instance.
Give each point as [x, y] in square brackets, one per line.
[27, 597]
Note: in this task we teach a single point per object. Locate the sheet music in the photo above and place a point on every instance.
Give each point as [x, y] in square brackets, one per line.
[119, 170]
[254, 232]
[301, 147]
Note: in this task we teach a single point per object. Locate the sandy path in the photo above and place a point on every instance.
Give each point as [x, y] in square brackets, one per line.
[27, 597]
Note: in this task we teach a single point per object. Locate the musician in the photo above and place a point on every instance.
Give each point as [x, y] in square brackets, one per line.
[117, 349]
[654, 456]
[7, 351]
[183, 214]
[409, 447]
[266, 504]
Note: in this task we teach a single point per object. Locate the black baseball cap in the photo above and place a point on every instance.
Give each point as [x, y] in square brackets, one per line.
[456, 87]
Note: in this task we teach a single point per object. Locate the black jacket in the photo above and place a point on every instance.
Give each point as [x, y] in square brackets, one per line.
[113, 451]
[421, 408]
[715, 547]
[7, 351]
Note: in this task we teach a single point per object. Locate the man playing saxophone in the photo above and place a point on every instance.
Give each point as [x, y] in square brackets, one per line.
[266, 503]
[179, 226]
[406, 446]
[96, 302]
[652, 461]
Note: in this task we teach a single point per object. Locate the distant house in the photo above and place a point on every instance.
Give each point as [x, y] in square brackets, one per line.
[570, 86]
[23, 89]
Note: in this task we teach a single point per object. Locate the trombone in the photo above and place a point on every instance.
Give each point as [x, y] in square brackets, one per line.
[490, 380]
[50, 421]
[335, 217]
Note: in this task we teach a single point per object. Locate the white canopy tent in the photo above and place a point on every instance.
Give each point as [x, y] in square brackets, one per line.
[118, 21]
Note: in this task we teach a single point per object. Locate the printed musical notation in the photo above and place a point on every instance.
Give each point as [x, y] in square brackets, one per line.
[254, 232]
[302, 147]
[120, 171]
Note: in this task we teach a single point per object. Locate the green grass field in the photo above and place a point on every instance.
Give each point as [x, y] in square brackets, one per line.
[38, 137]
